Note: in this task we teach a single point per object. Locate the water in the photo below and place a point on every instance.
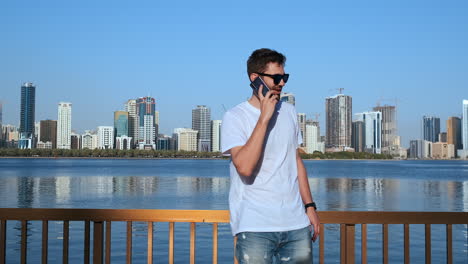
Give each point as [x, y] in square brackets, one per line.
[204, 184]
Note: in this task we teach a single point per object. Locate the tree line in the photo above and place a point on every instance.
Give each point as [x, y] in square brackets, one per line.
[137, 153]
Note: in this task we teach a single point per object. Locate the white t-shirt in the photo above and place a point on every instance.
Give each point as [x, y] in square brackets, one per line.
[272, 202]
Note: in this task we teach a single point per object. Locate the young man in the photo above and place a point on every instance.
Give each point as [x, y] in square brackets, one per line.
[271, 207]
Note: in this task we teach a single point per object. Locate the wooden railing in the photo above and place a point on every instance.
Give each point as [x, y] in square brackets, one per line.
[102, 220]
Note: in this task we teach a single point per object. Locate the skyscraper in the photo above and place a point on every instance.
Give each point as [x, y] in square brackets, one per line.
[28, 106]
[373, 131]
[431, 128]
[120, 123]
[301, 119]
[64, 125]
[131, 108]
[216, 135]
[339, 121]
[201, 121]
[358, 136]
[465, 125]
[454, 134]
[49, 132]
[288, 98]
[389, 128]
[147, 130]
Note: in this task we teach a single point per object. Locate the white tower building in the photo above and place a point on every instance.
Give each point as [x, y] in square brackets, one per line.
[105, 136]
[64, 125]
[216, 135]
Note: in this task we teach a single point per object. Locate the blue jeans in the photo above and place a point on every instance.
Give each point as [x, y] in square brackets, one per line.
[274, 247]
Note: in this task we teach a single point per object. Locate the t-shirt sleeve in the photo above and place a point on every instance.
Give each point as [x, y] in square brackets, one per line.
[232, 134]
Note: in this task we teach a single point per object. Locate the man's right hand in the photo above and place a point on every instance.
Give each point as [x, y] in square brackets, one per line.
[267, 104]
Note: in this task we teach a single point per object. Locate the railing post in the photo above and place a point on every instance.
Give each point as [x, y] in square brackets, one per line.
[98, 238]
[347, 243]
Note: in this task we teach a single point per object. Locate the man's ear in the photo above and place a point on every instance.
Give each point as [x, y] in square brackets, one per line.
[253, 76]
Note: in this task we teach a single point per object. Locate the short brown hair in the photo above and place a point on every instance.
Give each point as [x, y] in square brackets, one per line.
[259, 59]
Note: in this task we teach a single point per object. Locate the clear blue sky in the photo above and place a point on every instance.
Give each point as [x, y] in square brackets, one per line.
[98, 54]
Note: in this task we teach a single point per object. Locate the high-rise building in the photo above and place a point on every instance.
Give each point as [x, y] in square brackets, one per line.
[390, 141]
[2, 138]
[186, 139]
[431, 128]
[49, 132]
[358, 136]
[105, 137]
[28, 108]
[339, 120]
[373, 131]
[301, 120]
[147, 130]
[312, 135]
[420, 149]
[465, 125]
[120, 123]
[37, 132]
[288, 98]
[64, 125]
[454, 133]
[131, 108]
[216, 135]
[201, 121]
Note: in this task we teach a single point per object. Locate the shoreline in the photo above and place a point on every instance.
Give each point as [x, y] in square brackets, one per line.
[188, 158]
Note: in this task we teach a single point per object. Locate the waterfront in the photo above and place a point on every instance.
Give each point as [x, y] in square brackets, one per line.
[204, 184]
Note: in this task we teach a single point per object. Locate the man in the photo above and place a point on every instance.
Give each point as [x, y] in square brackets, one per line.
[271, 207]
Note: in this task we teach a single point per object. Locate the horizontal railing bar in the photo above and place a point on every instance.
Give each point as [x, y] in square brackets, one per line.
[140, 215]
[222, 216]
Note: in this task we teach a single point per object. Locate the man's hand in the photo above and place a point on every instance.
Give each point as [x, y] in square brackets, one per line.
[267, 104]
[314, 221]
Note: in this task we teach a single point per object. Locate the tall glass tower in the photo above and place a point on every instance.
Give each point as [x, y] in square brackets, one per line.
[431, 128]
[28, 106]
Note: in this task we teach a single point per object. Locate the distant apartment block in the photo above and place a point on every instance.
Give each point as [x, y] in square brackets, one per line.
[186, 139]
[338, 110]
[454, 132]
[216, 135]
[75, 141]
[48, 132]
[312, 135]
[163, 142]
[131, 109]
[105, 137]
[88, 140]
[442, 150]
[201, 122]
[301, 120]
[147, 129]
[390, 138]
[64, 125]
[358, 136]
[288, 98]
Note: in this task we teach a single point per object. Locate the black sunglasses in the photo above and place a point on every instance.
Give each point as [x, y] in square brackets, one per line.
[276, 77]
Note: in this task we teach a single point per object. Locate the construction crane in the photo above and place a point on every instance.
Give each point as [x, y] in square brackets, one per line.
[340, 90]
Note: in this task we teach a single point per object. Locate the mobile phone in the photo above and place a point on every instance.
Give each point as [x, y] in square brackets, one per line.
[256, 85]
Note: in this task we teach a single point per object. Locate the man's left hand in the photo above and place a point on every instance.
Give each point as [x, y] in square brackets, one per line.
[314, 221]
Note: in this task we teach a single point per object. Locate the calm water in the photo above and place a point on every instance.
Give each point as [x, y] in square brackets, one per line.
[204, 184]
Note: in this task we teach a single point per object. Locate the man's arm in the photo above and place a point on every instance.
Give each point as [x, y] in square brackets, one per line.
[245, 158]
[306, 195]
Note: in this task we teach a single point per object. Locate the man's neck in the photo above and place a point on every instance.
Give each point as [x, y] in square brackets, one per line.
[254, 101]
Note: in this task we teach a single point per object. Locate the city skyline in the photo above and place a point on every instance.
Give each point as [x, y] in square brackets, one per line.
[410, 51]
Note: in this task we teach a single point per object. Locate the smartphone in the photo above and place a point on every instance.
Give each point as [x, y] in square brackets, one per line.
[256, 85]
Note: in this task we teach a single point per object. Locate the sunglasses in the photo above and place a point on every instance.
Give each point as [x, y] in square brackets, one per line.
[276, 77]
